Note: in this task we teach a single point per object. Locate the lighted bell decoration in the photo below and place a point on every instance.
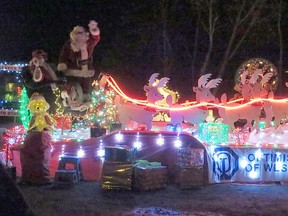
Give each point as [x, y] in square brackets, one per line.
[213, 133]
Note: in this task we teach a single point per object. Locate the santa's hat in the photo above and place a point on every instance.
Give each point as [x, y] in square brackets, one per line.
[38, 53]
[36, 96]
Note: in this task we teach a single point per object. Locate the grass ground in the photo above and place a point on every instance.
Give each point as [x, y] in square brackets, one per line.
[88, 199]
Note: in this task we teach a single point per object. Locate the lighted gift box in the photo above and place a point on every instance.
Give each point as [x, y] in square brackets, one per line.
[189, 177]
[213, 133]
[149, 177]
[119, 153]
[240, 136]
[63, 122]
[190, 157]
[116, 175]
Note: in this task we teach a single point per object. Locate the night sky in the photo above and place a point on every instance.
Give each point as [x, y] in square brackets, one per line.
[132, 44]
[30, 25]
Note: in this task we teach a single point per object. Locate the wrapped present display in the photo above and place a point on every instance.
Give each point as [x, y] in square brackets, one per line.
[213, 133]
[190, 157]
[96, 131]
[189, 177]
[241, 136]
[116, 175]
[119, 153]
[63, 122]
[149, 177]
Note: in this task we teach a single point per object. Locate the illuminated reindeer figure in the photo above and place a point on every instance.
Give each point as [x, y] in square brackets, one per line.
[203, 91]
[194, 115]
[141, 114]
[275, 110]
[235, 111]
[245, 87]
[252, 88]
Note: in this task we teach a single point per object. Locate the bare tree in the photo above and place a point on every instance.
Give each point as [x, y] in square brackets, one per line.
[195, 48]
[279, 19]
[207, 17]
[164, 46]
[210, 29]
[231, 29]
[243, 17]
[193, 56]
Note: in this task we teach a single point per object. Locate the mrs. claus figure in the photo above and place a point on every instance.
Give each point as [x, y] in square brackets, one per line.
[76, 60]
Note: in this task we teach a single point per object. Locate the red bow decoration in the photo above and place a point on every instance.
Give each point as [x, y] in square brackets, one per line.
[150, 109]
[63, 122]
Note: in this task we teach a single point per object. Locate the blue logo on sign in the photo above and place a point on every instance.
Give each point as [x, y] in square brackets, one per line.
[225, 163]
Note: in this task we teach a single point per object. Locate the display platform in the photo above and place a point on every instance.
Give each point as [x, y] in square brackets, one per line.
[152, 146]
[222, 163]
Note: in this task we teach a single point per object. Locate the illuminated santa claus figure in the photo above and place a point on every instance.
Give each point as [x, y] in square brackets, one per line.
[76, 60]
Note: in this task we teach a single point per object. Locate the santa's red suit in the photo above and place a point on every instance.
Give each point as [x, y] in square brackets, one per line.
[47, 74]
[78, 67]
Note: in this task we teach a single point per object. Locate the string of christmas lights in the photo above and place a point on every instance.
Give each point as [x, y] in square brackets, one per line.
[25, 114]
[12, 137]
[103, 112]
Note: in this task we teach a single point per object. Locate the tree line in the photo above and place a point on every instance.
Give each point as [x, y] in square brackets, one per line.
[180, 39]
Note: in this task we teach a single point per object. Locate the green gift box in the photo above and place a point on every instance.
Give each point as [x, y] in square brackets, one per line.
[213, 133]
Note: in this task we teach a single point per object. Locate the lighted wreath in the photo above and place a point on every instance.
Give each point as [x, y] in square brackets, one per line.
[265, 66]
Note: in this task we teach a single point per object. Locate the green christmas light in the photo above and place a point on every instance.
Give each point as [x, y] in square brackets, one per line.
[25, 115]
[262, 125]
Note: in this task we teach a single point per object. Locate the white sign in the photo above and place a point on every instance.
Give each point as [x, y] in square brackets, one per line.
[227, 164]
[10, 67]
[6, 112]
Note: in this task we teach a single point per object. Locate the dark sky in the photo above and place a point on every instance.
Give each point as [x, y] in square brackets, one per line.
[131, 37]
[32, 24]
[29, 25]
